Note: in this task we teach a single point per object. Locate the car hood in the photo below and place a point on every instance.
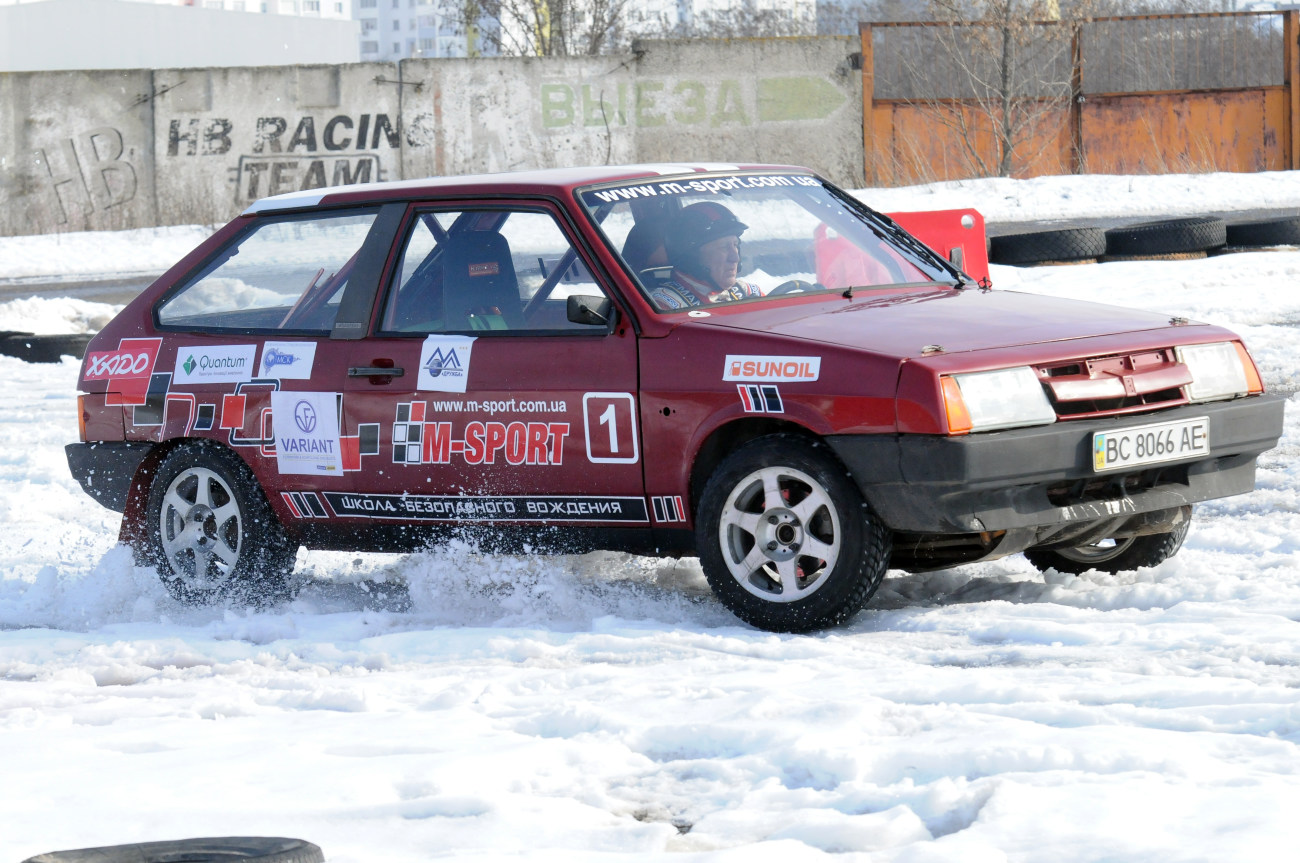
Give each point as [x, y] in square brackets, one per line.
[902, 325]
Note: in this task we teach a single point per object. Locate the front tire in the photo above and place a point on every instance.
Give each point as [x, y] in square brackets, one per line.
[785, 538]
[211, 533]
[1111, 555]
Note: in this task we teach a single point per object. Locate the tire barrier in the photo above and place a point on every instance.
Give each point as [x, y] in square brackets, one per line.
[1166, 237]
[1265, 232]
[224, 849]
[1041, 247]
[44, 349]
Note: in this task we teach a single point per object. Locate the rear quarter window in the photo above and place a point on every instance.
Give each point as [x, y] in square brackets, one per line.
[285, 274]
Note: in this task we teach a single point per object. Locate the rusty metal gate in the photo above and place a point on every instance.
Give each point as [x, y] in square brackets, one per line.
[1137, 94]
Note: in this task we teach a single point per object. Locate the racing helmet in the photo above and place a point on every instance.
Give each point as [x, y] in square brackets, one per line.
[693, 227]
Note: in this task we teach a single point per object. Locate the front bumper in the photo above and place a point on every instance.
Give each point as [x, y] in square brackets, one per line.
[105, 468]
[1042, 478]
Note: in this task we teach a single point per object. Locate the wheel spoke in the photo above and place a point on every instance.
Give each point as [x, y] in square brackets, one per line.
[771, 488]
[184, 537]
[173, 500]
[203, 494]
[224, 553]
[223, 514]
[808, 507]
[789, 572]
[814, 547]
[745, 568]
[746, 521]
[202, 560]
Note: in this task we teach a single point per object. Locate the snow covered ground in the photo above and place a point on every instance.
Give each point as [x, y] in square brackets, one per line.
[605, 707]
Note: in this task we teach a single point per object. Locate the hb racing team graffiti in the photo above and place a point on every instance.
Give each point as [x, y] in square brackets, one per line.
[286, 154]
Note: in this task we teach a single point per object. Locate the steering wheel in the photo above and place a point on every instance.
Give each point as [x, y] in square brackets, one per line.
[794, 286]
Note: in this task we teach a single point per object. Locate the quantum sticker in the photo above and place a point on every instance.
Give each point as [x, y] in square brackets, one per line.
[214, 364]
[444, 363]
[306, 433]
[757, 369]
[287, 360]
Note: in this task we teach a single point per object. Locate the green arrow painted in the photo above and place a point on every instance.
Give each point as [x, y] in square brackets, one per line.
[796, 99]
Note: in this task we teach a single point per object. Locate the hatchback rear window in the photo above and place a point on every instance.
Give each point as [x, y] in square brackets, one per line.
[286, 274]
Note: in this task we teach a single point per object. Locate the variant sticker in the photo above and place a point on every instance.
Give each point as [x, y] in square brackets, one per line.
[306, 433]
[287, 360]
[419, 507]
[214, 364]
[757, 369]
[444, 363]
[127, 370]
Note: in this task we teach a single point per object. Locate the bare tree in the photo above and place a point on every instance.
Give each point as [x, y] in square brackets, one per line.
[547, 28]
[558, 28]
[996, 73]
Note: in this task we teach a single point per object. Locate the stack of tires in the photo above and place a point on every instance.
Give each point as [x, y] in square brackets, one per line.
[43, 348]
[1166, 239]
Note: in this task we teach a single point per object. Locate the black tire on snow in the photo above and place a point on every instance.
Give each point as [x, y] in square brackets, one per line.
[222, 849]
[1037, 247]
[1126, 554]
[1265, 232]
[210, 532]
[44, 348]
[817, 508]
[1167, 237]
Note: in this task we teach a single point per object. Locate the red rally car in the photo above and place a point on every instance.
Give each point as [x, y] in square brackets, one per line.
[740, 363]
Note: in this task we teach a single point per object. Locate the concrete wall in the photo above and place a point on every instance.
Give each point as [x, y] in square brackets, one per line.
[112, 150]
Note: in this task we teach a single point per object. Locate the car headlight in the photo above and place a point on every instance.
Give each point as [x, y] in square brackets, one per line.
[1006, 398]
[1220, 370]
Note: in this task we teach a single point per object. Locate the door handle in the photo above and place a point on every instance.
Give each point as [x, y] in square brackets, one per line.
[375, 371]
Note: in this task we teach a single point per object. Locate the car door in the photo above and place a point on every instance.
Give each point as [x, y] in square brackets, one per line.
[504, 410]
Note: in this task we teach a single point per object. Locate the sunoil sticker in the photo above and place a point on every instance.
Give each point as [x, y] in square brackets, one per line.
[444, 363]
[759, 369]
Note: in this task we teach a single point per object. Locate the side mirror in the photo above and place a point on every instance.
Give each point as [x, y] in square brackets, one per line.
[591, 310]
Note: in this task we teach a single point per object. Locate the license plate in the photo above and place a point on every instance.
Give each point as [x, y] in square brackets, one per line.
[1150, 444]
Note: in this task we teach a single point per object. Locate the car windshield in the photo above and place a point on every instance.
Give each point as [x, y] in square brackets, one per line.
[745, 237]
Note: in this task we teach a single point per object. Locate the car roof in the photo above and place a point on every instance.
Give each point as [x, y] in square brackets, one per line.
[548, 181]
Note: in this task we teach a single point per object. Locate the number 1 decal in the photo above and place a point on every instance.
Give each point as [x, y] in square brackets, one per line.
[609, 420]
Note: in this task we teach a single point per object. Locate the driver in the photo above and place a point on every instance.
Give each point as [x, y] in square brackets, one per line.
[703, 245]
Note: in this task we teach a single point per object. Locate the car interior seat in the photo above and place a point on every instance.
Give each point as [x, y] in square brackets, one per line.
[479, 288]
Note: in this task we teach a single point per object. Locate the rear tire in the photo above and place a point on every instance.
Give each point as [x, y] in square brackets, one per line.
[1119, 555]
[211, 533]
[785, 538]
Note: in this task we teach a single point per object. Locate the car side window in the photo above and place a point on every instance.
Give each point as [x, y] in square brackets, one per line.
[487, 270]
[286, 274]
